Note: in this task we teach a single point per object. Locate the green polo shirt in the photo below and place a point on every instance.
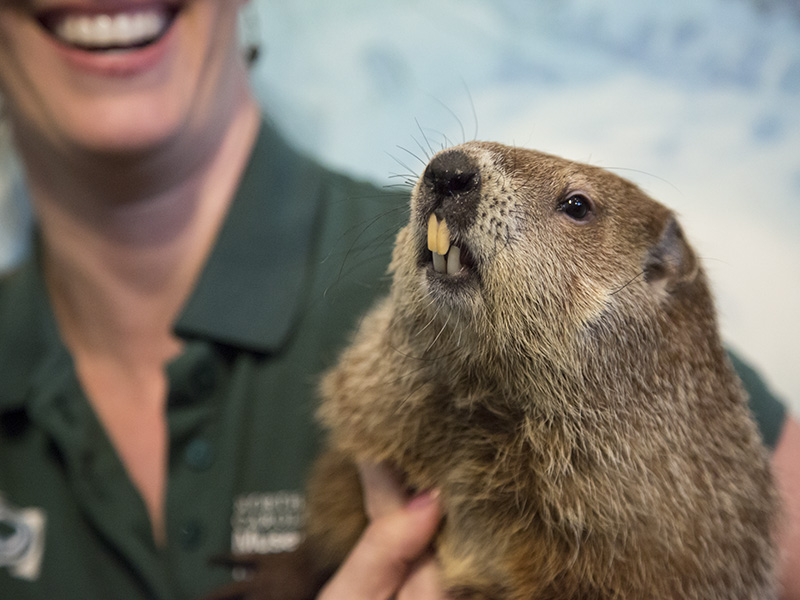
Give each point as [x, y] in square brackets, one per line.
[302, 253]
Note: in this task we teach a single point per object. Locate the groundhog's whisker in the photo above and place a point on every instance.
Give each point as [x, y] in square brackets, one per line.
[639, 275]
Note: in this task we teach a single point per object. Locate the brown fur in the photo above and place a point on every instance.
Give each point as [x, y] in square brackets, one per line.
[570, 398]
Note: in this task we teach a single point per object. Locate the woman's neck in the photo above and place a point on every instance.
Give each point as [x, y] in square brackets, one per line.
[124, 239]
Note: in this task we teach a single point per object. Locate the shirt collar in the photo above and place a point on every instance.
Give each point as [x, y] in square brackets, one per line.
[251, 288]
[30, 346]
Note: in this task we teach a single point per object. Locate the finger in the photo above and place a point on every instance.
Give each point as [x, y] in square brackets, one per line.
[383, 490]
[424, 582]
[391, 544]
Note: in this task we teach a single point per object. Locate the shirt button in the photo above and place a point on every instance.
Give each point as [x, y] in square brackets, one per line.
[199, 455]
[191, 534]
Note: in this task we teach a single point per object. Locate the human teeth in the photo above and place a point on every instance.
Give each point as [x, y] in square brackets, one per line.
[454, 260]
[105, 31]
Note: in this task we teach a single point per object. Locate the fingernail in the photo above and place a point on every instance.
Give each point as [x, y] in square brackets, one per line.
[423, 500]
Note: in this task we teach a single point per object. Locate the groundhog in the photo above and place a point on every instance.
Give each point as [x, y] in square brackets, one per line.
[549, 360]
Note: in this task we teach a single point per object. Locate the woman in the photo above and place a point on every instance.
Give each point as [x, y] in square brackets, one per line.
[141, 373]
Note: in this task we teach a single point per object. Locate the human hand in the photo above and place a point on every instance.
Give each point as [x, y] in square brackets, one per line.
[393, 558]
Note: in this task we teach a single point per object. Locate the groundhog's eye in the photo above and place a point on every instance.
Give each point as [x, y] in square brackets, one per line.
[577, 207]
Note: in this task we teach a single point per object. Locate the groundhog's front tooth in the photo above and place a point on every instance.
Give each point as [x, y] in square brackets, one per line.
[438, 236]
[443, 238]
[433, 233]
[439, 263]
[454, 260]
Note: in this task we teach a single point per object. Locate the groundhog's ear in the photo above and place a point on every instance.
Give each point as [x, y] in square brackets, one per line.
[671, 262]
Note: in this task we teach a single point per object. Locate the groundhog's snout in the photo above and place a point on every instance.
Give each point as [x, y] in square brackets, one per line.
[451, 188]
[448, 200]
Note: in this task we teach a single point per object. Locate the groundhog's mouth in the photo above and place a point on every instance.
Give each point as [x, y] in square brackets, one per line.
[447, 256]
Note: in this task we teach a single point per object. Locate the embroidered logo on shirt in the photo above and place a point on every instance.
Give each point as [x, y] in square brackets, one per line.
[267, 523]
[21, 540]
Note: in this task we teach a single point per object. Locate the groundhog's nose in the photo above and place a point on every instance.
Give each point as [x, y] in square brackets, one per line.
[452, 173]
[453, 180]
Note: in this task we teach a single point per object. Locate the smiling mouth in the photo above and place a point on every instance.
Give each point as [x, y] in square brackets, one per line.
[102, 32]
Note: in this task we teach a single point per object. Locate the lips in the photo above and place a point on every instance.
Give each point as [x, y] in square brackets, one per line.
[101, 30]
